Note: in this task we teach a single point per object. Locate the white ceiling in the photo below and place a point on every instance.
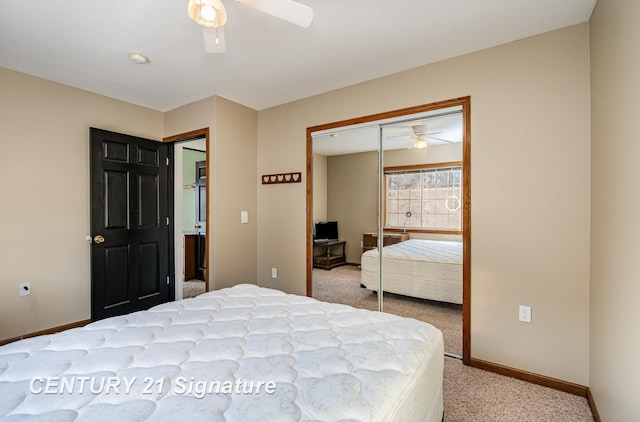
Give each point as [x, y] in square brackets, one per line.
[85, 44]
[444, 126]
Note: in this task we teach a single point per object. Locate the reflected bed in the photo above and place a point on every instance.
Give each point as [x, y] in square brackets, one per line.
[426, 269]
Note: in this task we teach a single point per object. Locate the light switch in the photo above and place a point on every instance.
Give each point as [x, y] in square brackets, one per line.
[244, 217]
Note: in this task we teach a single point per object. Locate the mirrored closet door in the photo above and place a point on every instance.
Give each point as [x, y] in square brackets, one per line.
[393, 187]
[345, 193]
[421, 221]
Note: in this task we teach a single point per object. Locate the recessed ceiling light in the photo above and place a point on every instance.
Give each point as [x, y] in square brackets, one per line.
[138, 58]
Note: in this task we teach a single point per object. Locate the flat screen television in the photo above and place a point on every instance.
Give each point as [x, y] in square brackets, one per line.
[324, 231]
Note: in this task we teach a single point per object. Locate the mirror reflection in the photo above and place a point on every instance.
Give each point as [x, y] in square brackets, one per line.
[394, 184]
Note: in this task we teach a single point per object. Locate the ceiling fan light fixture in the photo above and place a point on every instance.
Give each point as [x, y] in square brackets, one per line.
[420, 143]
[207, 13]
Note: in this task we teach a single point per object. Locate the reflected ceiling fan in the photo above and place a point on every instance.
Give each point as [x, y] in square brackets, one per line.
[420, 135]
[211, 15]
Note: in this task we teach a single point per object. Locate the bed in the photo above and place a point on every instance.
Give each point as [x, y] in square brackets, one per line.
[426, 269]
[244, 353]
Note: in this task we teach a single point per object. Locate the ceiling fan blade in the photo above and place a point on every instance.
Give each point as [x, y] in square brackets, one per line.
[439, 139]
[389, 138]
[288, 10]
[214, 40]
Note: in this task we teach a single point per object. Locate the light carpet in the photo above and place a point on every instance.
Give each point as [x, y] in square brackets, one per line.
[192, 288]
[474, 395]
[342, 285]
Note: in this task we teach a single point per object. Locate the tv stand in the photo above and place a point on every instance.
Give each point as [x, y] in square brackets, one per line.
[333, 254]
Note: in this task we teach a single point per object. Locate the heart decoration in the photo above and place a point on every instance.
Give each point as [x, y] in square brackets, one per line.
[268, 179]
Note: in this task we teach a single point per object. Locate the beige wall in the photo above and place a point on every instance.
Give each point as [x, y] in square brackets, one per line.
[352, 198]
[319, 187]
[235, 247]
[615, 93]
[233, 183]
[530, 207]
[44, 185]
[434, 154]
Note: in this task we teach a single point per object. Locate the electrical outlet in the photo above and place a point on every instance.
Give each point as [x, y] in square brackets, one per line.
[524, 314]
[274, 273]
[244, 217]
[25, 289]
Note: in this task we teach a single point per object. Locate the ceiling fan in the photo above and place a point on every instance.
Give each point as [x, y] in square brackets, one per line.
[420, 135]
[211, 15]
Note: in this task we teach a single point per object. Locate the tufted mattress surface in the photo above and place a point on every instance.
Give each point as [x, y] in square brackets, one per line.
[244, 353]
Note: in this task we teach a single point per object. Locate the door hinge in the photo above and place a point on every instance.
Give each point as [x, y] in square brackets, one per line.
[167, 221]
[167, 280]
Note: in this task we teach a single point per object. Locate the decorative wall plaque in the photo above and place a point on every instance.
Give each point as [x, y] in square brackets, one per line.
[271, 179]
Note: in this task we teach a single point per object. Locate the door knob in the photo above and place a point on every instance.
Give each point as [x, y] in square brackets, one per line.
[196, 226]
[98, 239]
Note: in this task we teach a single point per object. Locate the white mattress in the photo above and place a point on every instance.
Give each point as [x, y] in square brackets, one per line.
[326, 362]
[426, 269]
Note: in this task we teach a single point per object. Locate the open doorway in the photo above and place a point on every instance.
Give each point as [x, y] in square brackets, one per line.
[194, 211]
[190, 213]
[363, 229]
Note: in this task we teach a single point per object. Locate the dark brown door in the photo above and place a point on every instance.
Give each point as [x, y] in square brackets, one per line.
[130, 261]
[201, 217]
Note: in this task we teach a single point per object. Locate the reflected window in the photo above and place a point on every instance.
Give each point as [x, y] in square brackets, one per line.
[424, 198]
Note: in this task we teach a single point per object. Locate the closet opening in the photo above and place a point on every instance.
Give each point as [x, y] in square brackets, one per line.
[373, 177]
